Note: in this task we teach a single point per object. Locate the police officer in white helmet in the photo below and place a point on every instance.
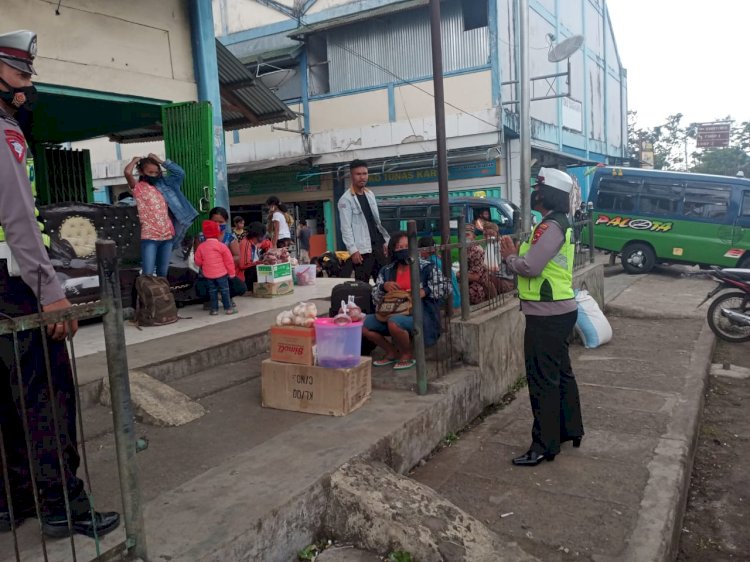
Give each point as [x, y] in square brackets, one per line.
[26, 279]
[544, 266]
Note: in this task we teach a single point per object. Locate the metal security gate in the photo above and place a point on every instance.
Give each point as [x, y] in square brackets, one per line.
[63, 174]
[188, 140]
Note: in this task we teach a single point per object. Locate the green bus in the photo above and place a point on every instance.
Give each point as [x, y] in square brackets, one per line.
[654, 216]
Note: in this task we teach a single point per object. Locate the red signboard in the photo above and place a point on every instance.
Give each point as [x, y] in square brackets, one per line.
[714, 135]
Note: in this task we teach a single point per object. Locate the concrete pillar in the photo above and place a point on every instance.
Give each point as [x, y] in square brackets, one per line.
[207, 78]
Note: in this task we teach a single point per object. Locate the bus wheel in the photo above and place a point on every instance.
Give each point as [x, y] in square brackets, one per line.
[744, 263]
[638, 258]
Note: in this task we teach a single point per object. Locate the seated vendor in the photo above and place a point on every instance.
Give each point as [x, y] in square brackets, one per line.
[396, 276]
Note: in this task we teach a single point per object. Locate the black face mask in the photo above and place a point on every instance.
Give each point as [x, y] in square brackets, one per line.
[19, 97]
[401, 256]
[150, 179]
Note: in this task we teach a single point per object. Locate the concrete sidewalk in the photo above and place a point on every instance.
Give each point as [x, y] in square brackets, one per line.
[620, 496]
[248, 483]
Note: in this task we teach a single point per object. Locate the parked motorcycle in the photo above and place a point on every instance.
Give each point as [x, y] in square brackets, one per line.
[729, 314]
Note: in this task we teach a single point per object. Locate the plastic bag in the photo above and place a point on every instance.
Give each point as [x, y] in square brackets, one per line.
[592, 325]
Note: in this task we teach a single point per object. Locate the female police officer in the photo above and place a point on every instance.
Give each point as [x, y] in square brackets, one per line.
[544, 266]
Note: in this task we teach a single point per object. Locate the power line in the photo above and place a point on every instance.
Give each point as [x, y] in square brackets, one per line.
[409, 82]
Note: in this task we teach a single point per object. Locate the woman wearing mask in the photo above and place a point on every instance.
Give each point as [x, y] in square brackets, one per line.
[544, 266]
[157, 229]
[396, 276]
[278, 227]
[221, 217]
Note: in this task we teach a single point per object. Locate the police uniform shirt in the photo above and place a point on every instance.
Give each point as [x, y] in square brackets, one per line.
[17, 215]
[548, 239]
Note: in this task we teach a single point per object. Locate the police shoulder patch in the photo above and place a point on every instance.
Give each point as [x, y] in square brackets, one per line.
[541, 229]
[16, 143]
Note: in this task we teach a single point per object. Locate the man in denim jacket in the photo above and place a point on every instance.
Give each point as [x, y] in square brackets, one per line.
[364, 236]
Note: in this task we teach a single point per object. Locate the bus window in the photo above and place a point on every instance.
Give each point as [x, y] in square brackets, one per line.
[660, 197]
[617, 194]
[415, 213]
[745, 204]
[497, 217]
[706, 201]
[387, 212]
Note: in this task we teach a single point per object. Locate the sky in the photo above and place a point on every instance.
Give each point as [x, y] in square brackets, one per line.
[684, 56]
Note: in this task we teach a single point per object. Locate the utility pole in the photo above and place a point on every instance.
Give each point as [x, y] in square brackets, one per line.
[442, 150]
[524, 113]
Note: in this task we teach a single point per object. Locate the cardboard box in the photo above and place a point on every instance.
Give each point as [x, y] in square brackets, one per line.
[274, 273]
[315, 390]
[268, 290]
[292, 344]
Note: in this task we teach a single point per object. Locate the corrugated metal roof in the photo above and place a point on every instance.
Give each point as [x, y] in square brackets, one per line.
[246, 101]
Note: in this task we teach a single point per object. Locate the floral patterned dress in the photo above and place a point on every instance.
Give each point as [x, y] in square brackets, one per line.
[477, 291]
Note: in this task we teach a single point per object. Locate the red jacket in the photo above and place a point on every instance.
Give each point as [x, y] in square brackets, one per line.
[214, 259]
[250, 255]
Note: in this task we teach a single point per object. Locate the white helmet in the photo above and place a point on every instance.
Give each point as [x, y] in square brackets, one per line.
[555, 178]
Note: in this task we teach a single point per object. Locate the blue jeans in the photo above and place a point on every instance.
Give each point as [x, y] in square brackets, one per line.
[214, 287]
[155, 256]
[374, 325]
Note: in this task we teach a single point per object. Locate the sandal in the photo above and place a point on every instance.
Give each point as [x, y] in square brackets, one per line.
[405, 365]
[383, 362]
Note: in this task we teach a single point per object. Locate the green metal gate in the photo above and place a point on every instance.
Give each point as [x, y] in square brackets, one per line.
[188, 140]
[63, 175]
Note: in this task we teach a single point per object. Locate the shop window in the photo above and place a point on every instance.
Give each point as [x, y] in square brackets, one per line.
[660, 198]
[706, 201]
[475, 13]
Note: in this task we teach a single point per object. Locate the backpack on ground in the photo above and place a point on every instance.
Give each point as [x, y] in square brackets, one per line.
[155, 305]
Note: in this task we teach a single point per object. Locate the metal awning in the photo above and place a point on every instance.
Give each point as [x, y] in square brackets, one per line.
[257, 165]
[245, 102]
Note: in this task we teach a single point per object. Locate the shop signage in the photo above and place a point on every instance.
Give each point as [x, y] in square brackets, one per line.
[458, 172]
[273, 182]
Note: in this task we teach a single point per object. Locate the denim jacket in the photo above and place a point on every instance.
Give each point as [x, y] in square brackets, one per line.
[435, 288]
[354, 230]
[182, 211]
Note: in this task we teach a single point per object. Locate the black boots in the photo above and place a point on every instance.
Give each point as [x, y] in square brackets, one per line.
[532, 458]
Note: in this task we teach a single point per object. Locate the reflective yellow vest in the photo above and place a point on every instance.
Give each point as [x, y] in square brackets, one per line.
[32, 180]
[555, 282]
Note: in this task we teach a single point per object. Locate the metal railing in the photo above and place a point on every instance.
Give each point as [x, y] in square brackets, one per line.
[14, 334]
[483, 282]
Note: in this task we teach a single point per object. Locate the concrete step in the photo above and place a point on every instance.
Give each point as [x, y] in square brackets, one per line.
[250, 483]
[178, 355]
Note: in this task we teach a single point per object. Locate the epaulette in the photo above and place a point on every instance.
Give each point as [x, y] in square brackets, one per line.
[8, 118]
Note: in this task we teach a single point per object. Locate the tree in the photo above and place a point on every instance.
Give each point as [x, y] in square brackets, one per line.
[670, 141]
[723, 162]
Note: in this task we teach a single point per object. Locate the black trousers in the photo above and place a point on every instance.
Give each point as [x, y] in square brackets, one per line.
[26, 385]
[371, 264]
[553, 390]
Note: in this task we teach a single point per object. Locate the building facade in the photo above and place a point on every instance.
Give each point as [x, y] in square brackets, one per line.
[359, 75]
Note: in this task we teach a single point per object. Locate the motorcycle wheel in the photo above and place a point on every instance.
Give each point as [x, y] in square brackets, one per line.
[723, 327]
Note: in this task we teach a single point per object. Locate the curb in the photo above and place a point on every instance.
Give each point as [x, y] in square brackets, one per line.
[656, 535]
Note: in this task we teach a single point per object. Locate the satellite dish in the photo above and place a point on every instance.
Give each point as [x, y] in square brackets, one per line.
[277, 78]
[563, 50]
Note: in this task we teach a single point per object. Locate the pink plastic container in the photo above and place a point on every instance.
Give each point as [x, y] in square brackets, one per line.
[339, 345]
